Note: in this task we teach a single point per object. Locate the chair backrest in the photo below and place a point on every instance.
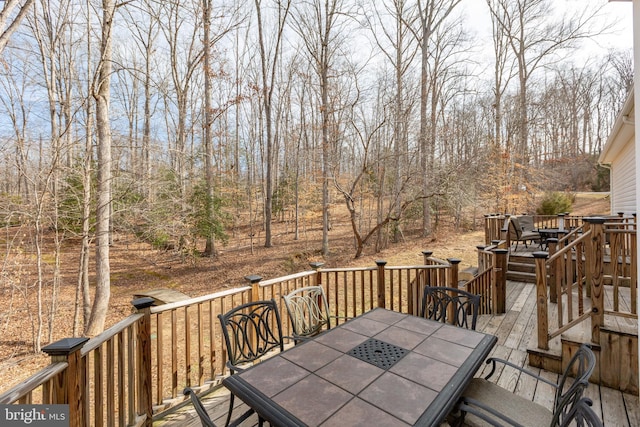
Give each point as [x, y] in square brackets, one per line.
[581, 415]
[450, 305]
[567, 403]
[515, 228]
[526, 223]
[580, 367]
[251, 330]
[308, 311]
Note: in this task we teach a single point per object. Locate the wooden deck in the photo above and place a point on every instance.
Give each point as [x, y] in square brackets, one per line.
[514, 331]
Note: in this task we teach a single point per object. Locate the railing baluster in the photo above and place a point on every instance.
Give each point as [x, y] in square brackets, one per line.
[159, 356]
[174, 354]
[200, 346]
[186, 325]
[131, 375]
[121, 379]
[109, 379]
[98, 377]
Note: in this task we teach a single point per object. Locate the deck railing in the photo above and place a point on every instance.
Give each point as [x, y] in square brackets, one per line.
[577, 266]
[491, 280]
[496, 225]
[137, 369]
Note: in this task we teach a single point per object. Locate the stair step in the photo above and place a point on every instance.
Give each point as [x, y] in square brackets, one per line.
[517, 266]
[521, 276]
[468, 273]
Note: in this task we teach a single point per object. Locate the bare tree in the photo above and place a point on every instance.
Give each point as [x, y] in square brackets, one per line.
[319, 24]
[9, 22]
[103, 209]
[400, 55]
[268, 68]
[534, 38]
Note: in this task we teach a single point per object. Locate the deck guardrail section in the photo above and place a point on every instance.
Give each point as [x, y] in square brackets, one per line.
[110, 374]
[136, 370]
[577, 267]
[36, 389]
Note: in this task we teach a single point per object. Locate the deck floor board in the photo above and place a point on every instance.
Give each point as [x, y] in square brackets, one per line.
[514, 329]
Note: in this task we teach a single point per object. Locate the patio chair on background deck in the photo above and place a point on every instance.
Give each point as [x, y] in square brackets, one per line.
[484, 403]
[519, 233]
[250, 331]
[308, 311]
[438, 302]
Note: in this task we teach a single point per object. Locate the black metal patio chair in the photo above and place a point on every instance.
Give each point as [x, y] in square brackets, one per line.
[205, 419]
[309, 312]
[440, 303]
[487, 404]
[250, 331]
[583, 416]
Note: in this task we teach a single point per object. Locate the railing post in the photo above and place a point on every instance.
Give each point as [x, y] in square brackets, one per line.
[453, 283]
[254, 279]
[595, 265]
[541, 296]
[482, 265]
[381, 283]
[487, 228]
[633, 251]
[554, 272]
[499, 286]
[318, 280]
[455, 266]
[316, 266]
[430, 275]
[145, 401]
[504, 232]
[561, 221]
[69, 387]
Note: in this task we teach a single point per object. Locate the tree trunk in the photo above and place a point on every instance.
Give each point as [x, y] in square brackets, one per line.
[103, 211]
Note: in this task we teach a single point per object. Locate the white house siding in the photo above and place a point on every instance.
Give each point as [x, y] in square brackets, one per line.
[623, 181]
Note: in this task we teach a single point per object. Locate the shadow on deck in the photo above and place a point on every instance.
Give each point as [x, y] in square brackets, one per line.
[514, 330]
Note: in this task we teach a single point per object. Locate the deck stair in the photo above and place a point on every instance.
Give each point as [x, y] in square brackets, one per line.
[617, 351]
[521, 268]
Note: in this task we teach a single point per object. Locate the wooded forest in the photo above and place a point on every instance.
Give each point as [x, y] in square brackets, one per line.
[179, 120]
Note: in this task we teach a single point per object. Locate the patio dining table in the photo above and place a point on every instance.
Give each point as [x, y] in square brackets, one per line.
[549, 233]
[381, 368]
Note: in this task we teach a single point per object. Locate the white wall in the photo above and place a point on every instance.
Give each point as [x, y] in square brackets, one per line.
[623, 181]
[636, 56]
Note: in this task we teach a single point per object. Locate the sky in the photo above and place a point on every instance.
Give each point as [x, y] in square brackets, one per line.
[619, 12]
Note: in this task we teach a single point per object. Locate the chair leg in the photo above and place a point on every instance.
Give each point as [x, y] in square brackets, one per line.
[231, 398]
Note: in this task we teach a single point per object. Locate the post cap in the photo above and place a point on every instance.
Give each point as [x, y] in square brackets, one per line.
[64, 346]
[541, 254]
[253, 278]
[316, 265]
[595, 220]
[144, 302]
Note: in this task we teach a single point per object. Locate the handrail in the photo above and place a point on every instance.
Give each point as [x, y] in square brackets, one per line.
[108, 334]
[568, 247]
[197, 300]
[135, 370]
[571, 234]
[605, 254]
[26, 387]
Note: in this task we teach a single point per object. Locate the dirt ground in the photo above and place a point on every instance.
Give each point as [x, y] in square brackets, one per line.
[136, 267]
